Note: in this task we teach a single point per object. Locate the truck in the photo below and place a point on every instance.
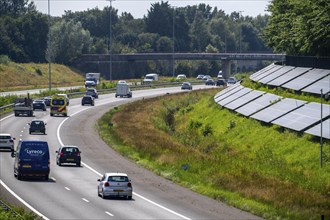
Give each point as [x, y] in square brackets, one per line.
[150, 78]
[23, 106]
[123, 90]
[92, 79]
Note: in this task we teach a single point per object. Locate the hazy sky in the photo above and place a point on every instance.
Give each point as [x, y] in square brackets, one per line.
[139, 8]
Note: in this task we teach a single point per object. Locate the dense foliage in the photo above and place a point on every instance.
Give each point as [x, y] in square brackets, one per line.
[299, 27]
[25, 36]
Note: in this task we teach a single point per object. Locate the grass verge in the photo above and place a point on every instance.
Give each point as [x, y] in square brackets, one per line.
[187, 138]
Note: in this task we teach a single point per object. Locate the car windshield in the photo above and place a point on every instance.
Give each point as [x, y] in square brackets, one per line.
[117, 179]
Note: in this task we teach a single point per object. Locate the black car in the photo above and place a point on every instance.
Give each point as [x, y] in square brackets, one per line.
[210, 82]
[68, 154]
[92, 92]
[47, 100]
[37, 126]
[87, 100]
[221, 82]
[39, 104]
[186, 85]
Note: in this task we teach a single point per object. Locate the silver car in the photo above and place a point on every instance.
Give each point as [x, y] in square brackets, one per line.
[7, 142]
[114, 185]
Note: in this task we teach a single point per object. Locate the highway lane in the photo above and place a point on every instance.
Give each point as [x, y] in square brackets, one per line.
[71, 191]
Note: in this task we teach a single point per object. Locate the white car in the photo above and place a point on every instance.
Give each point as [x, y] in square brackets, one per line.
[181, 76]
[7, 142]
[115, 185]
[231, 80]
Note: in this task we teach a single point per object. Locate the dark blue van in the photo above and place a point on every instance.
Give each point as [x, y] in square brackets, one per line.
[31, 159]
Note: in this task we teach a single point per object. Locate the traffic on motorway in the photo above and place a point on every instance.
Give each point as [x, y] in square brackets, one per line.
[74, 168]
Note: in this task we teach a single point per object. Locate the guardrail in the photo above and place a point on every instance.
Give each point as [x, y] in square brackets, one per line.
[6, 208]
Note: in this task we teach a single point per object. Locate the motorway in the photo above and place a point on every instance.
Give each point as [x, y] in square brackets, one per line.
[71, 192]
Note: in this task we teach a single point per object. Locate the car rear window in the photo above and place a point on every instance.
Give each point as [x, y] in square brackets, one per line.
[117, 179]
[5, 137]
[69, 150]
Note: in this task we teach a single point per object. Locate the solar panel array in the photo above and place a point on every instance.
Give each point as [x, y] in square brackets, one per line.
[262, 71]
[306, 79]
[303, 117]
[266, 73]
[294, 73]
[316, 130]
[258, 104]
[316, 87]
[277, 110]
[234, 96]
[228, 93]
[276, 74]
[244, 99]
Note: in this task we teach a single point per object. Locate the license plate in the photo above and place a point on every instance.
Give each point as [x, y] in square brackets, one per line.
[70, 159]
[118, 190]
[27, 166]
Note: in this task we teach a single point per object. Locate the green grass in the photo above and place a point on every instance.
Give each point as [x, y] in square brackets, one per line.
[264, 169]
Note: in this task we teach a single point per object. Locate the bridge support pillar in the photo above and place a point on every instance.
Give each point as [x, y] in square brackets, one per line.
[131, 68]
[226, 68]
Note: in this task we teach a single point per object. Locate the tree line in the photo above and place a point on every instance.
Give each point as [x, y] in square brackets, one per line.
[296, 27]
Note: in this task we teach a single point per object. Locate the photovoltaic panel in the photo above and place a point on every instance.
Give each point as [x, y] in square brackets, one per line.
[277, 110]
[276, 74]
[262, 70]
[303, 117]
[244, 99]
[234, 96]
[316, 130]
[258, 104]
[267, 72]
[316, 87]
[306, 79]
[288, 76]
[224, 91]
[236, 89]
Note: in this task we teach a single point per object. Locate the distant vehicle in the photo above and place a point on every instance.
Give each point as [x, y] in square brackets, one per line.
[92, 79]
[123, 90]
[200, 77]
[206, 77]
[231, 80]
[47, 100]
[7, 142]
[23, 106]
[87, 100]
[39, 104]
[186, 85]
[37, 126]
[221, 82]
[68, 154]
[31, 159]
[116, 185]
[66, 98]
[220, 75]
[58, 106]
[92, 92]
[209, 82]
[181, 77]
[150, 78]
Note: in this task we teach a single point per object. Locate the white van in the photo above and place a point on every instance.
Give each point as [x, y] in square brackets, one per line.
[150, 78]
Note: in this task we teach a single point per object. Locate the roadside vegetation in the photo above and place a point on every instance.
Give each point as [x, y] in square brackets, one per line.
[187, 138]
[16, 213]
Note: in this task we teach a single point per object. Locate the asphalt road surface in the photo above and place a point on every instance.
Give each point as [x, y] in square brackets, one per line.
[71, 192]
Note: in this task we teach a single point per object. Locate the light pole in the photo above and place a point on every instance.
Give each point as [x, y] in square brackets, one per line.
[321, 139]
[110, 56]
[49, 51]
[173, 63]
[240, 30]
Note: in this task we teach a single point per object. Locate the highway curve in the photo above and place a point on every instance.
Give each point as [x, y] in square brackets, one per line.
[71, 192]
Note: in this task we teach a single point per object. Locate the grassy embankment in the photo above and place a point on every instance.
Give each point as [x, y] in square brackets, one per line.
[264, 169]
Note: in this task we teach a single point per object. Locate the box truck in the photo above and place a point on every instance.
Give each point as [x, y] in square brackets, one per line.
[123, 90]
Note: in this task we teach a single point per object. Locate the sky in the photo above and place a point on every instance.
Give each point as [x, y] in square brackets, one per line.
[139, 8]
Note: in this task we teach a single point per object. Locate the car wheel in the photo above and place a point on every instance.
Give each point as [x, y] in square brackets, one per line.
[19, 176]
[129, 197]
[78, 164]
[46, 177]
[103, 196]
[51, 114]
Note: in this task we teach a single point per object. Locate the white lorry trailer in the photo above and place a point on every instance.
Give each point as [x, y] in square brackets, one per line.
[123, 90]
[92, 79]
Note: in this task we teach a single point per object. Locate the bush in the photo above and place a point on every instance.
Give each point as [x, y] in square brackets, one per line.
[4, 59]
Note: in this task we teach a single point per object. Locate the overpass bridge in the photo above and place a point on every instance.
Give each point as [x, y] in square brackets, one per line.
[132, 59]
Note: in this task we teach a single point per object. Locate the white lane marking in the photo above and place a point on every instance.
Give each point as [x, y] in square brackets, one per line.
[67, 188]
[85, 200]
[108, 213]
[22, 201]
[98, 173]
[53, 178]
[2, 119]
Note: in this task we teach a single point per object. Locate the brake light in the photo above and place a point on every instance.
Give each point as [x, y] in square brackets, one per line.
[11, 141]
[61, 154]
[106, 184]
[129, 184]
[78, 154]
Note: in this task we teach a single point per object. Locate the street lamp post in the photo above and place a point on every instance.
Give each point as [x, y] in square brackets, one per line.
[110, 56]
[173, 65]
[49, 51]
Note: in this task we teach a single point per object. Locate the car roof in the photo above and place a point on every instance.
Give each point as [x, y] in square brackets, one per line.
[69, 146]
[115, 174]
[5, 134]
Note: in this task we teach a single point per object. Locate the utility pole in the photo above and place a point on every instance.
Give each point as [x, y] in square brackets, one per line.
[49, 51]
[110, 52]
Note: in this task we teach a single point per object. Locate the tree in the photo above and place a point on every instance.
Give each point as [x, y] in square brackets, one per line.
[68, 41]
[159, 19]
[164, 44]
[16, 7]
